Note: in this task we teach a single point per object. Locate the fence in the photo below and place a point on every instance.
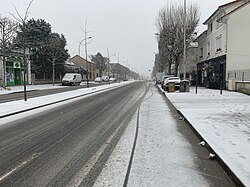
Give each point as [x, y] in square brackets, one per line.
[239, 75]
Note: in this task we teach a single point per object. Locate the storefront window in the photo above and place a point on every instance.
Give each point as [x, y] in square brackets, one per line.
[9, 75]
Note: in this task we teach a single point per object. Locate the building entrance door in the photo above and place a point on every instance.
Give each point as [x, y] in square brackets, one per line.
[17, 76]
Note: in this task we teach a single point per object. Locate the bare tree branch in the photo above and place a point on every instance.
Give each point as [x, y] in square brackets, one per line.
[27, 10]
[170, 25]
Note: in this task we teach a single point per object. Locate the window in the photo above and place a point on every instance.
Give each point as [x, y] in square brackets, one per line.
[218, 43]
[219, 23]
[211, 27]
[201, 53]
[208, 48]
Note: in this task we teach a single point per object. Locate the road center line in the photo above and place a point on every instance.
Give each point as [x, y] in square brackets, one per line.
[19, 166]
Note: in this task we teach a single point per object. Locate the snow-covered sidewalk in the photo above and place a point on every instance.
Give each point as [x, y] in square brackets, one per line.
[224, 123]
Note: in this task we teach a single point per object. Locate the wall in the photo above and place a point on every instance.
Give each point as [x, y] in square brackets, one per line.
[238, 54]
[243, 87]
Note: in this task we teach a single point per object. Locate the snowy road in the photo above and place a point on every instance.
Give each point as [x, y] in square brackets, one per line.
[67, 144]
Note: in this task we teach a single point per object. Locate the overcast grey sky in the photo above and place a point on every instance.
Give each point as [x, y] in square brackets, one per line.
[126, 27]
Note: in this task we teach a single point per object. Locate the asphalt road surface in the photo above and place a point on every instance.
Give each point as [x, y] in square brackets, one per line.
[52, 147]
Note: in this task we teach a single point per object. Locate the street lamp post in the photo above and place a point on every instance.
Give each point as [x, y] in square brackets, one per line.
[184, 50]
[86, 50]
[108, 62]
[86, 57]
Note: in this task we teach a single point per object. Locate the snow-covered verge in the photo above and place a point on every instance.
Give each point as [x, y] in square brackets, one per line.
[21, 105]
[224, 123]
[13, 89]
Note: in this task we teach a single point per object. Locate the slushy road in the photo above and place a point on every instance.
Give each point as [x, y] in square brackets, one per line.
[55, 146]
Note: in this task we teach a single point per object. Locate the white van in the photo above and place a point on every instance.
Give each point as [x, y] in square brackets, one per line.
[98, 79]
[72, 79]
[105, 78]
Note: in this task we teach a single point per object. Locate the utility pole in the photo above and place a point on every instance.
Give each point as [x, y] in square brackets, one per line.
[86, 53]
[109, 56]
[86, 50]
[108, 64]
[185, 49]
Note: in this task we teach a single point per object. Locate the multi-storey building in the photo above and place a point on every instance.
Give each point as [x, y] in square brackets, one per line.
[224, 48]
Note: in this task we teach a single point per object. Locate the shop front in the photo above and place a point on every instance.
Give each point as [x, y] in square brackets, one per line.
[15, 71]
[212, 73]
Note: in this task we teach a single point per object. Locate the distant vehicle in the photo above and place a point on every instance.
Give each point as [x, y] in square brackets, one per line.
[98, 79]
[72, 79]
[163, 79]
[105, 78]
[158, 77]
[175, 80]
[111, 79]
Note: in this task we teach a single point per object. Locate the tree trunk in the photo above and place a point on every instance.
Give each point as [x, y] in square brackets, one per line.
[169, 68]
[4, 69]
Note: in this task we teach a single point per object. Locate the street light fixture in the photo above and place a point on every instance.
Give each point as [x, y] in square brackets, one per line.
[80, 43]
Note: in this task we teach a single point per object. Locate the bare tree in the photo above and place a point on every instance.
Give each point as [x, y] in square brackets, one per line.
[170, 25]
[8, 30]
[24, 43]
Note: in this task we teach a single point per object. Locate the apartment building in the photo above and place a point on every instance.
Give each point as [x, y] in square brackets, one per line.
[224, 48]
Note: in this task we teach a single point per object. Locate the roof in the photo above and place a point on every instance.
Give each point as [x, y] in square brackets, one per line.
[78, 61]
[239, 7]
[224, 6]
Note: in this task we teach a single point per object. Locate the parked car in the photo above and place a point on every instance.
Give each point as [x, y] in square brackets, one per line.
[72, 79]
[163, 79]
[175, 80]
[98, 79]
[105, 78]
[112, 79]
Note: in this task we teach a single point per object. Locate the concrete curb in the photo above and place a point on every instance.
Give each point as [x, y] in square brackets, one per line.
[229, 172]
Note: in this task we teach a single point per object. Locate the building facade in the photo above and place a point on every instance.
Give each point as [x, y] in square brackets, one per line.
[224, 47]
[14, 71]
[82, 66]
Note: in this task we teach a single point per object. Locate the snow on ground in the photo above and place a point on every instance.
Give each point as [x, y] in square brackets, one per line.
[19, 88]
[161, 156]
[15, 106]
[13, 89]
[223, 121]
[114, 172]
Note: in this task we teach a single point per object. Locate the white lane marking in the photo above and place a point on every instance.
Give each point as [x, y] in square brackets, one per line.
[19, 166]
[78, 178]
